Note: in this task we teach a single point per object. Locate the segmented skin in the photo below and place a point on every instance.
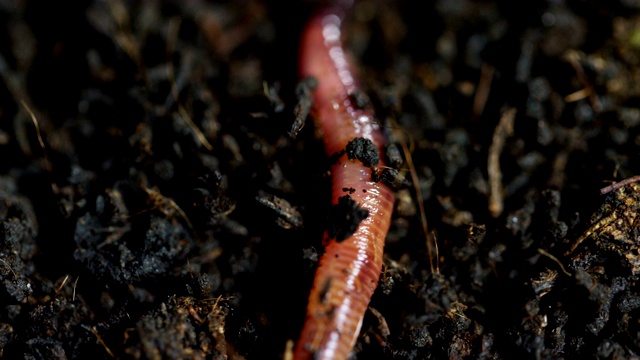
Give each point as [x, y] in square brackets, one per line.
[348, 272]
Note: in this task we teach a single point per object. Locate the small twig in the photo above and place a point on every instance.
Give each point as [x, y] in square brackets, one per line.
[271, 93]
[483, 89]
[555, 259]
[64, 281]
[161, 200]
[578, 95]
[419, 198]
[123, 35]
[38, 134]
[619, 184]
[75, 285]
[383, 327]
[304, 93]
[435, 244]
[288, 350]
[174, 26]
[93, 330]
[496, 192]
[573, 57]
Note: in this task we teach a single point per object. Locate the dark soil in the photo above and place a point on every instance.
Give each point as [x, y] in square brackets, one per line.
[154, 204]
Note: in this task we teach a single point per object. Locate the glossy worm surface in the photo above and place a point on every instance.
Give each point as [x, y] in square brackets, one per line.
[348, 272]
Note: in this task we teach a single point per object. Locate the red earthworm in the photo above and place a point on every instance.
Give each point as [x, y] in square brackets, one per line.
[348, 271]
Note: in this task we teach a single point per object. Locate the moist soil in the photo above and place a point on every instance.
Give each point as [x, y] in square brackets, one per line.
[163, 197]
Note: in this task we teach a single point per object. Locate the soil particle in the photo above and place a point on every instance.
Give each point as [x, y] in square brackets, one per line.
[364, 150]
[344, 218]
[391, 177]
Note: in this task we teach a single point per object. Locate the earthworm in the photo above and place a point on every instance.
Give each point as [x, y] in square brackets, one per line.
[348, 271]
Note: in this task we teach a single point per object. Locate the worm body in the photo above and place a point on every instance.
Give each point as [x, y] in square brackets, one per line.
[348, 271]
